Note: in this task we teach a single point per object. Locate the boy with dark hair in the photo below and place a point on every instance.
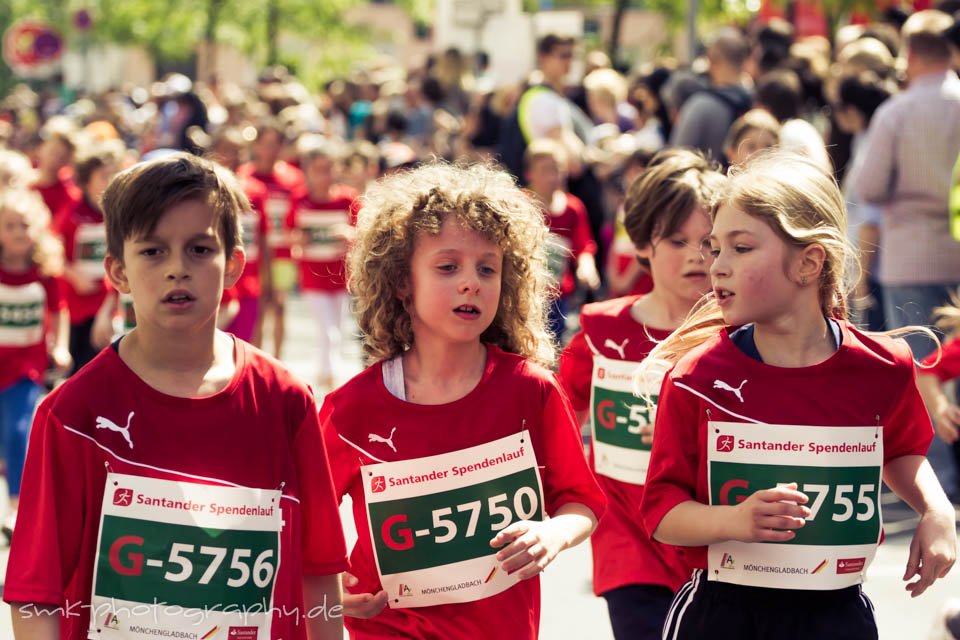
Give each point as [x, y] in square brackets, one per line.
[138, 518]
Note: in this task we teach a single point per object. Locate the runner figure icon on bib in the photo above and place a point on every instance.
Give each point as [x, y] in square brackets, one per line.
[184, 560]
[838, 468]
[432, 519]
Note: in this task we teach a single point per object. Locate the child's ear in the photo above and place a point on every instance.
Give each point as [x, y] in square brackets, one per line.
[117, 273]
[645, 252]
[809, 263]
[234, 267]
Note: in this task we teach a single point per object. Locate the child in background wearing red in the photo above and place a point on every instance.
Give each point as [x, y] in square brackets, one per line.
[667, 220]
[321, 221]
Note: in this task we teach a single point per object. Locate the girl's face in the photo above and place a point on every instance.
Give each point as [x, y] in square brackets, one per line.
[320, 174]
[454, 285]
[680, 263]
[751, 268]
[16, 235]
[99, 179]
[751, 142]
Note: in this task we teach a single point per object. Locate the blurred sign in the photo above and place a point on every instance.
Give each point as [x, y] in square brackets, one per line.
[32, 48]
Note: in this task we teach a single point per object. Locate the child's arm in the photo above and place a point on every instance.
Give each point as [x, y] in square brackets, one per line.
[361, 605]
[322, 600]
[60, 330]
[946, 415]
[933, 549]
[756, 519]
[102, 330]
[533, 545]
[587, 271]
[35, 621]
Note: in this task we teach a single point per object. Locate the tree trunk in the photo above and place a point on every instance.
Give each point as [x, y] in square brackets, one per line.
[210, 40]
[273, 18]
[614, 49]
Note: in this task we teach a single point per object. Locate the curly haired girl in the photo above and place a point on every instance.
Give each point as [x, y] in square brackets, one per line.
[456, 443]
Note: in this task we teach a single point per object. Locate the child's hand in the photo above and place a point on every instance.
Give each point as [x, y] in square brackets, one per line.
[532, 546]
[361, 605]
[646, 434]
[61, 359]
[770, 515]
[933, 550]
[946, 418]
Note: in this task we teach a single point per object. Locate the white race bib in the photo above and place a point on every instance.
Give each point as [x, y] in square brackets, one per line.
[320, 243]
[21, 314]
[431, 520]
[90, 248]
[616, 418]
[184, 560]
[838, 468]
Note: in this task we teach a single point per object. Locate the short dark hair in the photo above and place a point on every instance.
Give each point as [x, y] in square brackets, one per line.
[90, 159]
[661, 199]
[781, 93]
[551, 41]
[137, 198]
[731, 45]
[864, 91]
[925, 35]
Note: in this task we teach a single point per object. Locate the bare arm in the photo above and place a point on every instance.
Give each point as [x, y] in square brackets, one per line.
[945, 414]
[324, 613]
[60, 331]
[35, 621]
[768, 515]
[933, 549]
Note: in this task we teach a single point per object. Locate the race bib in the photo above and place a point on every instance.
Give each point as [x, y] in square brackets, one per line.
[320, 242]
[616, 417]
[431, 520]
[90, 248]
[838, 468]
[21, 314]
[277, 205]
[558, 256]
[250, 230]
[183, 560]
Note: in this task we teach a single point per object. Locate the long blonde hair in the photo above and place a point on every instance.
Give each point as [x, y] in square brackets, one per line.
[47, 252]
[398, 208]
[803, 206]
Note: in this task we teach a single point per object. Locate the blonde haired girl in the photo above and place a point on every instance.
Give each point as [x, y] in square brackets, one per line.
[32, 316]
[777, 423]
[455, 444]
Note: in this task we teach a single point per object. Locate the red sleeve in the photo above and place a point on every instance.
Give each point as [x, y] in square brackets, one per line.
[55, 300]
[290, 222]
[344, 459]
[675, 459]
[566, 477]
[324, 549]
[66, 228]
[47, 547]
[907, 430]
[949, 366]
[582, 238]
[576, 371]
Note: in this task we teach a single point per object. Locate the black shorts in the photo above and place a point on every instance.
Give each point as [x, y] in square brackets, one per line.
[720, 611]
[637, 611]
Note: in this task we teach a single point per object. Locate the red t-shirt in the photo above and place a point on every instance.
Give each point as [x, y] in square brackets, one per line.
[84, 242]
[27, 301]
[623, 551]
[254, 225]
[279, 187]
[567, 217]
[60, 195]
[264, 412]
[512, 394]
[869, 379]
[949, 366]
[323, 263]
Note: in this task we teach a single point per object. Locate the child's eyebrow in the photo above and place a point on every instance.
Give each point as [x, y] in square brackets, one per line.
[198, 236]
[733, 234]
[457, 252]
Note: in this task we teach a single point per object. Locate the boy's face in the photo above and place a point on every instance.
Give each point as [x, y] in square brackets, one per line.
[52, 155]
[680, 263]
[177, 273]
[320, 174]
[544, 175]
[99, 179]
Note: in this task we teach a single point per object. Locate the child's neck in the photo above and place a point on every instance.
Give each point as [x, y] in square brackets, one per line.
[46, 178]
[438, 374]
[793, 342]
[185, 366]
[320, 195]
[15, 264]
[545, 196]
[659, 310]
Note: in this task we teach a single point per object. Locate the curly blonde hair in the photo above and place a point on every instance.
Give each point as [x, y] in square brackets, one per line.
[399, 208]
[47, 253]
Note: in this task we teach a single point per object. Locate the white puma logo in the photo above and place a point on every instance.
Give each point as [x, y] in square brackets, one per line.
[619, 348]
[720, 384]
[372, 437]
[107, 423]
